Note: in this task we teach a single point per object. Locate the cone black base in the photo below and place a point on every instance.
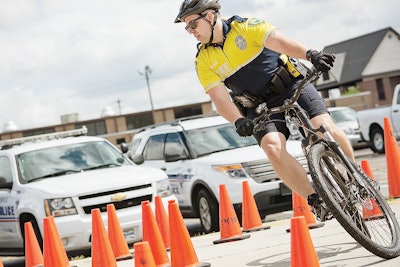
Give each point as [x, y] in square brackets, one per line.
[230, 239]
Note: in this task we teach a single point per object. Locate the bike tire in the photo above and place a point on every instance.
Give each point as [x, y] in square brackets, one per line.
[349, 202]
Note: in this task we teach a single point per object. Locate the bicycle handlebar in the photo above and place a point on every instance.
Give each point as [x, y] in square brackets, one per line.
[265, 112]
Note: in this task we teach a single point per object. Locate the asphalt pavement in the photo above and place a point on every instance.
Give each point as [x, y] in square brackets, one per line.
[271, 247]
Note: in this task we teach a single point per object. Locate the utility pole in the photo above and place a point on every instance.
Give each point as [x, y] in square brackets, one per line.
[119, 105]
[147, 71]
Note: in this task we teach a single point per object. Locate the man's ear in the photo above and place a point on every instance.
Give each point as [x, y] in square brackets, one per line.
[210, 16]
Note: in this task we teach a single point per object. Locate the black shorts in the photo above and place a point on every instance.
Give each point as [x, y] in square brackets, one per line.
[310, 100]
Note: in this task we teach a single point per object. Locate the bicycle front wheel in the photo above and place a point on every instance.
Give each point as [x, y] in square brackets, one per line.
[355, 201]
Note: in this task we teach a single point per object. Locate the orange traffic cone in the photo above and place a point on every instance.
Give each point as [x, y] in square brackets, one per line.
[143, 255]
[116, 235]
[181, 247]
[53, 250]
[301, 208]
[251, 220]
[302, 249]
[151, 233]
[370, 208]
[228, 222]
[392, 160]
[1, 263]
[162, 220]
[33, 253]
[102, 253]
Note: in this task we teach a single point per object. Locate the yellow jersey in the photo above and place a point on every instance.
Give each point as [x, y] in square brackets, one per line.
[242, 63]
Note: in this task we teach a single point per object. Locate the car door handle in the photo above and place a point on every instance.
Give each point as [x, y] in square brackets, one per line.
[163, 169]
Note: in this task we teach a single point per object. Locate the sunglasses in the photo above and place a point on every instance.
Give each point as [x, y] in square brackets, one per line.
[193, 23]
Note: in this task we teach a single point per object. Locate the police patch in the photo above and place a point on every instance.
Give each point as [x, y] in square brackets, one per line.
[240, 42]
[254, 21]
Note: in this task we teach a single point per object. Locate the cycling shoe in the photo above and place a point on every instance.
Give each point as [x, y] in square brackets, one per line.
[319, 208]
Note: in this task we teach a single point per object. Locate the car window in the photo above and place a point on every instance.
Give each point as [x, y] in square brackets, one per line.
[134, 145]
[5, 170]
[217, 138]
[154, 148]
[174, 145]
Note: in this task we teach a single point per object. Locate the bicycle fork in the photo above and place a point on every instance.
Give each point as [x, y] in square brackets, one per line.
[311, 137]
[332, 144]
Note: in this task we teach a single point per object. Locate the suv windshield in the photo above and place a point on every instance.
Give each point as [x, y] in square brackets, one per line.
[61, 160]
[217, 138]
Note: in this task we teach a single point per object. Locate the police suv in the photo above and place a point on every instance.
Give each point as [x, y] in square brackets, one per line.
[200, 153]
[66, 175]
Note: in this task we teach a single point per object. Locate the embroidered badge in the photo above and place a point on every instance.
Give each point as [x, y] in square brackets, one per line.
[254, 21]
[240, 42]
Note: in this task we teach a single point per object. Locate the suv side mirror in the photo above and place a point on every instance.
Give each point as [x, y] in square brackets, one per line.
[124, 147]
[4, 184]
[137, 159]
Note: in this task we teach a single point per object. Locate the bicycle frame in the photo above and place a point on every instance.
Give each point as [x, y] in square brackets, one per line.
[298, 116]
[311, 137]
[347, 194]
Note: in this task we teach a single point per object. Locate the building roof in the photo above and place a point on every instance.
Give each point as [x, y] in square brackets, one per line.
[357, 54]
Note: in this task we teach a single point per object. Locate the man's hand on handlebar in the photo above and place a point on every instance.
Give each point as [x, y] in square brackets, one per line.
[244, 127]
[265, 112]
[322, 61]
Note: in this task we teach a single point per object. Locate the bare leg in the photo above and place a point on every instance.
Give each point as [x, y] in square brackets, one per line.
[285, 165]
[336, 132]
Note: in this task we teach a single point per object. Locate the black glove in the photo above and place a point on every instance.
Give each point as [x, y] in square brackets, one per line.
[244, 127]
[322, 61]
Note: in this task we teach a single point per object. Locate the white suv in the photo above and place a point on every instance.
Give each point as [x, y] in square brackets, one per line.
[199, 154]
[66, 175]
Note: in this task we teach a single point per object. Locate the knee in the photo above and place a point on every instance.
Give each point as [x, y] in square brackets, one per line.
[335, 131]
[329, 125]
[273, 151]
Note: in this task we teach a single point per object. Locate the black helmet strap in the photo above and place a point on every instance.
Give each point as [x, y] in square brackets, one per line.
[212, 28]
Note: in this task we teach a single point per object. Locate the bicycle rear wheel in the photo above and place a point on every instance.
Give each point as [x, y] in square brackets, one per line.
[355, 201]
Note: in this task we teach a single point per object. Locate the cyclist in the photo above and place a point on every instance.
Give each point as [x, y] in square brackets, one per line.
[248, 56]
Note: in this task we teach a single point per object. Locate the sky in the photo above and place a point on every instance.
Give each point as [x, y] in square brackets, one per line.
[61, 57]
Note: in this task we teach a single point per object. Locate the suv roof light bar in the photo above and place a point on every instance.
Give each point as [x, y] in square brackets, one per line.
[48, 136]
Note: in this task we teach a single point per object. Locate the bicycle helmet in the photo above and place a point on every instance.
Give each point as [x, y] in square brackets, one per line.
[189, 7]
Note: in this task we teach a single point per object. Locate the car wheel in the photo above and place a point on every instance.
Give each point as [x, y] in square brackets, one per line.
[239, 213]
[208, 211]
[377, 140]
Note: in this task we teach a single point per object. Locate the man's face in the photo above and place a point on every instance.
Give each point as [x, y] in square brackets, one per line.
[199, 26]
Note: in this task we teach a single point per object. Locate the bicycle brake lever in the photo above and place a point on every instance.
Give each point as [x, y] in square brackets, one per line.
[260, 108]
[257, 127]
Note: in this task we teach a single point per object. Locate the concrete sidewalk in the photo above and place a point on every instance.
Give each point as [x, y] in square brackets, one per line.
[271, 247]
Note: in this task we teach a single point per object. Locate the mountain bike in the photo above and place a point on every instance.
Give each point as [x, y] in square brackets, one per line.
[345, 188]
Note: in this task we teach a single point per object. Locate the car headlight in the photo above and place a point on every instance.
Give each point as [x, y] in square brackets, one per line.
[163, 188]
[233, 171]
[59, 207]
[348, 130]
